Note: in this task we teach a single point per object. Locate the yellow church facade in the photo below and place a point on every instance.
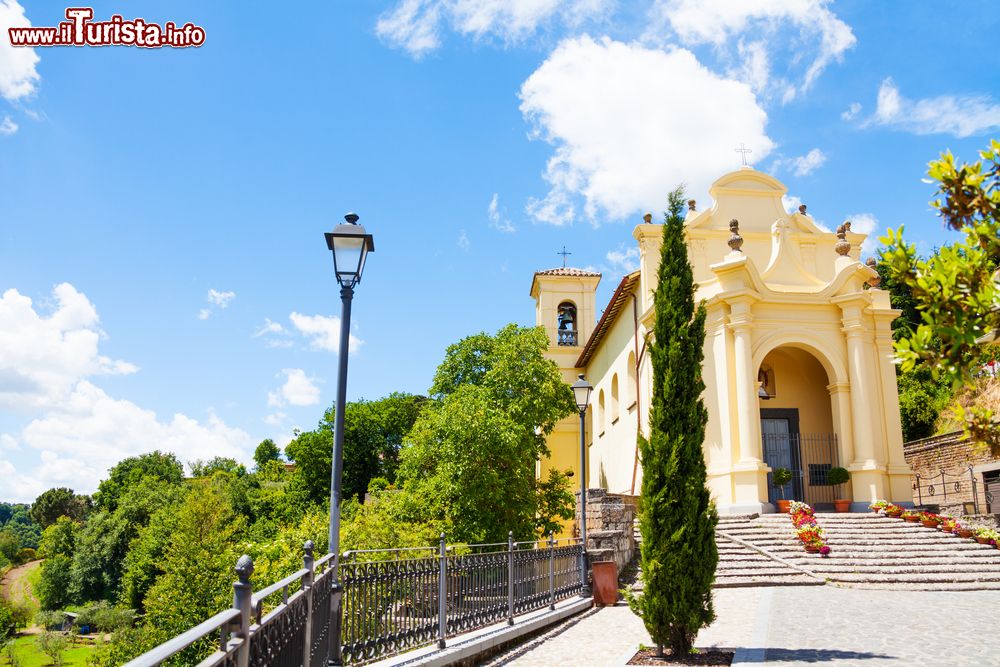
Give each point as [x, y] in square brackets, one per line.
[798, 366]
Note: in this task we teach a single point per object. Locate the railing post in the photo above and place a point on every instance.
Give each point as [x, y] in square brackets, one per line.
[442, 592]
[510, 577]
[944, 486]
[920, 497]
[552, 572]
[242, 594]
[309, 563]
[975, 491]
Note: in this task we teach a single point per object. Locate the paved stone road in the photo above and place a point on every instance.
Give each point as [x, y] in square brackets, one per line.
[799, 625]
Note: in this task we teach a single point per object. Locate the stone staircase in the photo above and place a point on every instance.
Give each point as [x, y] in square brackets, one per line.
[742, 563]
[868, 551]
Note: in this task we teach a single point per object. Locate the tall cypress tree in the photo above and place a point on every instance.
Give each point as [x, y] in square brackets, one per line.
[677, 519]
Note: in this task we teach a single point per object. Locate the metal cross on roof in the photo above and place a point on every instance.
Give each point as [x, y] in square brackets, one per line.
[564, 255]
[744, 150]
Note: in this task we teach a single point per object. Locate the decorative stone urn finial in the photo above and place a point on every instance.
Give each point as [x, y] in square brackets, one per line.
[802, 209]
[875, 280]
[244, 568]
[648, 218]
[735, 241]
[692, 205]
[843, 246]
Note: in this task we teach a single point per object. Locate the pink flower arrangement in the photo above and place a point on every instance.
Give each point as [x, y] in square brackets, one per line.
[807, 529]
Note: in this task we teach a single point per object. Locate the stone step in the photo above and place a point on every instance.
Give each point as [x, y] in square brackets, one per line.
[902, 586]
[797, 579]
[941, 578]
[829, 565]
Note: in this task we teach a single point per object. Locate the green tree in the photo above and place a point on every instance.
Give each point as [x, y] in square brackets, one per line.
[129, 471]
[266, 451]
[373, 435]
[216, 464]
[54, 582]
[957, 289]
[59, 539]
[53, 644]
[198, 567]
[497, 397]
[677, 517]
[58, 502]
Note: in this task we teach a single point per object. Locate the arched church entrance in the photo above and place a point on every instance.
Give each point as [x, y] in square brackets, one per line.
[797, 426]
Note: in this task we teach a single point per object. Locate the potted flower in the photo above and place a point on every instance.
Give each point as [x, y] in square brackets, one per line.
[930, 519]
[987, 536]
[911, 516]
[894, 511]
[948, 525]
[963, 531]
[780, 477]
[879, 505]
[837, 477]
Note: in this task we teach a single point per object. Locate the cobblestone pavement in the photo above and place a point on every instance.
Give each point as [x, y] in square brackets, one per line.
[798, 625]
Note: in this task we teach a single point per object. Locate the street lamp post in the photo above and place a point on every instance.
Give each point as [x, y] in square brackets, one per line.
[350, 245]
[581, 391]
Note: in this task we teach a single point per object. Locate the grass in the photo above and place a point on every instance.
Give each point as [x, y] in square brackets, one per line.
[30, 655]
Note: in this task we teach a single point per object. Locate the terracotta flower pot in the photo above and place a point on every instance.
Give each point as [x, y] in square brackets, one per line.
[982, 540]
[842, 505]
[931, 523]
[813, 549]
[964, 533]
[784, 506]
[911, 519]
[894, 515]
[945, 529]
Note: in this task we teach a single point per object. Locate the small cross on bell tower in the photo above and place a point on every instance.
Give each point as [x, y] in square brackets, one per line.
[564, 255]
[744, 151]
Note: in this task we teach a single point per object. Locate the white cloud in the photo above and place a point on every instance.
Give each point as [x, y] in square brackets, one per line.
[220, 299]
[43, 357]
[216, 298]
[463, 241]
[7, 126]
[852, 111]
[417, 25]
[18, 76]
[269, 327]
[275, 335]
[804, 164]
[78, 431]
[80, 439]
[498, 219]
[298, 389]
[960, 116]
[866, 223]
[624, 260]
[822, 37]
[275, 418]
[622, 136]
[323, 332]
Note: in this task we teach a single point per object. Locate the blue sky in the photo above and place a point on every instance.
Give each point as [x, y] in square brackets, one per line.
[163, 274]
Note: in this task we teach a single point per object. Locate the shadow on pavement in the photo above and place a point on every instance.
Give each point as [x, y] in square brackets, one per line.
[803, 655]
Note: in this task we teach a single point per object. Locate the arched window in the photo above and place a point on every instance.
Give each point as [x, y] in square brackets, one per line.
[600, 413]
[567, 329]
[614, 398]
[630, 390]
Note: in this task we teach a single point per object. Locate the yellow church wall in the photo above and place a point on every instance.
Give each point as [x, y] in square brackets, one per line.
[613, 449]
[564, 455]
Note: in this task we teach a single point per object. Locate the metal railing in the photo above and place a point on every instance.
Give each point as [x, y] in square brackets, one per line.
[963, 484]
[567, 337]
[809, 457]
[384, 602]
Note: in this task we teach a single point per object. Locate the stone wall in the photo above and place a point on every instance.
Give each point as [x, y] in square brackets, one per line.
[610, 527]
[951, 453]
